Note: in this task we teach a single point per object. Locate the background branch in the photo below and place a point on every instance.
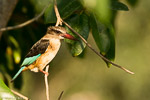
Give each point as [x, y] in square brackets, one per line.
[25, 23]
[60, 96]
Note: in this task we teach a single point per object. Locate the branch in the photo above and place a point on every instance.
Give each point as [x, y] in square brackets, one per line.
[100, 55]
[20, 95]
[46, 83]
[59, 20]
[59, 98]
[25, 23]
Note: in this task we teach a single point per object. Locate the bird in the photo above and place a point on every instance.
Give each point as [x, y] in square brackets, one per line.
[44, 50]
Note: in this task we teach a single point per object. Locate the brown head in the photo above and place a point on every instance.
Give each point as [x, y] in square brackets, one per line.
[59, 31]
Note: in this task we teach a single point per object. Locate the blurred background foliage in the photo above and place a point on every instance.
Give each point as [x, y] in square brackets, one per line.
[84, 77]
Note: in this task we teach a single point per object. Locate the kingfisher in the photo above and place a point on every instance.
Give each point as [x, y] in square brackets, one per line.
[44, 50]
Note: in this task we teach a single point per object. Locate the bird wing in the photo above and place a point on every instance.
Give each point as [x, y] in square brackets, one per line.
[37, 49]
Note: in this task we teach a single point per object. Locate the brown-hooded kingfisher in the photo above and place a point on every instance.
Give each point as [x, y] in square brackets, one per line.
[44, 50]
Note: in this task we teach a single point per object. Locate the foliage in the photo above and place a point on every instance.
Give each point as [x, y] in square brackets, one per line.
[97, 19]
[102, 28]
[5, 92]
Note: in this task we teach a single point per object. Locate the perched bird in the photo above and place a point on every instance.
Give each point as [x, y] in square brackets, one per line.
[43, 51]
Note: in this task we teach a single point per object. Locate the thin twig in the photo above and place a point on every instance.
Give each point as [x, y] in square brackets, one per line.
[46, 83]
[20, 95]
[100, 55]
[60, 96]
[25, 23]
[59, 20]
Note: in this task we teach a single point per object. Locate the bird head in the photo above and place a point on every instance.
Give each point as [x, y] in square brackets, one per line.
[60, 32]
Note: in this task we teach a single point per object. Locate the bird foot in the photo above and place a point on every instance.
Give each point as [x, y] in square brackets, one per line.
[46, 73]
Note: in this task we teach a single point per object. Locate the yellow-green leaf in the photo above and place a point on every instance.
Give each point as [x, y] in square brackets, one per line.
[5, 92]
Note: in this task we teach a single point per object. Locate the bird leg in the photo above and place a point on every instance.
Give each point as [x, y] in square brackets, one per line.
[46, 73]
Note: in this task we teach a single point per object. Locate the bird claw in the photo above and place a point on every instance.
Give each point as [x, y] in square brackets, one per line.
[46, 73]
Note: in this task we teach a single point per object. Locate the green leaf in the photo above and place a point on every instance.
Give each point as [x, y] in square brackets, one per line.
[100, 37]
[111, 52]
[5, 92]
[81, 25]
[65, 7]
[116, 5]
[104, 37]
[102, 10]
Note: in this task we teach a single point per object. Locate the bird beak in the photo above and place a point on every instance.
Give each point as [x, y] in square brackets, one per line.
[68, 36]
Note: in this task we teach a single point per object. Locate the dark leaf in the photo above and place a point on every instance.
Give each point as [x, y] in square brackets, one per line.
[111, 52]
[116, 5]
[65, 7]
[132, 2]
[104, 37]
[81, 25]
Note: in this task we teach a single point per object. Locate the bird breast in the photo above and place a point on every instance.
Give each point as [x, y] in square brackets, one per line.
[49, 54]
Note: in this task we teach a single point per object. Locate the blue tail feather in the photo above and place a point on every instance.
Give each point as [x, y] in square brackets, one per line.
[18, 73]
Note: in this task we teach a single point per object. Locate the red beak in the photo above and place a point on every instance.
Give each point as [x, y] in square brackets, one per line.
[68, 36]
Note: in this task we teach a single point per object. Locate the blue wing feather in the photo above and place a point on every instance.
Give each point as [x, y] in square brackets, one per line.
[18, 73]
[30, 60]
[27, 61]
[35, 52]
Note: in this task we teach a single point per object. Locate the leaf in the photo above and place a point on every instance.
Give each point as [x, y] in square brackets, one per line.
[16, 49]
[132, 2]
[5, 92]
[104, 37]
[65, 7]
[116, 5]
[100, 38]
[111, 52]
[17, 56]
[81, 25]
[39, 4]
[9, 58]
[102, 10]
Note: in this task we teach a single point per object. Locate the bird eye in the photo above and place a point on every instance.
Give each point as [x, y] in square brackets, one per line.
[58, 32]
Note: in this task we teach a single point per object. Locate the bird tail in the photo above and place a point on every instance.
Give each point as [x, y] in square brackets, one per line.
[18, 73]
